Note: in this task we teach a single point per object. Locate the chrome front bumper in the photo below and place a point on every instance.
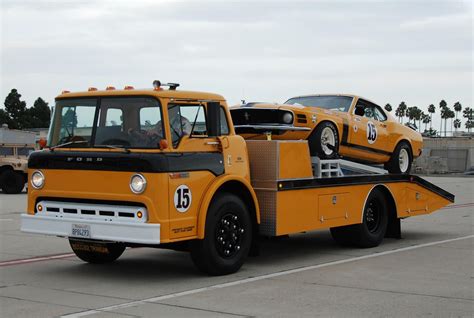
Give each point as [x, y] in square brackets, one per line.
[126, 232]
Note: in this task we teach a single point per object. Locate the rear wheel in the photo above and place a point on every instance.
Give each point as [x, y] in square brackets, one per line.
[401, 159]
[12, 181]
[96, 252]
[228, 237]
[371, 231]
[324, 141]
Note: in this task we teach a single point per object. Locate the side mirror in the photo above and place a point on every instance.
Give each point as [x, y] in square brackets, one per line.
[359, 111]
[213, 119]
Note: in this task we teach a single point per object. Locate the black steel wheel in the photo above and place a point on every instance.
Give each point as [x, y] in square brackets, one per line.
[371, 231]
[96, 252]
[228, 237]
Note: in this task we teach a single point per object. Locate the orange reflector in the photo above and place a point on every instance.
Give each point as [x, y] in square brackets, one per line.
[92, 89]
[163, 144]
[139, 214]
[40, 207]
[42, 143]
[110, 88]
[128, 87]
[65, 92]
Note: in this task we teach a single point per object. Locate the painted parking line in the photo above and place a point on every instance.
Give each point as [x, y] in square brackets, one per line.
[257, 278]
[455, 206]
[35, 259]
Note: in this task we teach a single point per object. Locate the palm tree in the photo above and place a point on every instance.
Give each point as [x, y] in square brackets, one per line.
[426, 119]
[468, 113]
[388, 107]
[417, 116]
[401, 111]
[457, 124]
[457, 109]
[451, 115]
[442, 107]
[431, 110]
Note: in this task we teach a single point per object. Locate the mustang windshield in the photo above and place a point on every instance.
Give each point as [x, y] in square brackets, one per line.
[128, 122]
[332, 102]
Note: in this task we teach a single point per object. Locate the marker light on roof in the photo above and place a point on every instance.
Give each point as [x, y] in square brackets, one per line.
[128, 87]
[110, 88]
[92, 89]
[65, 92]
[156, 85]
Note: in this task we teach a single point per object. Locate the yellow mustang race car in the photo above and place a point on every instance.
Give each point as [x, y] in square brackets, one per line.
[334, 125]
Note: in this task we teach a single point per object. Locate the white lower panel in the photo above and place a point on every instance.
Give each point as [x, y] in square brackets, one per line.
[99, 230]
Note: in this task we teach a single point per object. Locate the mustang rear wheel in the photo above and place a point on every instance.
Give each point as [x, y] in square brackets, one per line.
[401, 159]
[324, 141]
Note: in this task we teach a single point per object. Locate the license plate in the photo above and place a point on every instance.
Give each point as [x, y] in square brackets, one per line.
[81, 230]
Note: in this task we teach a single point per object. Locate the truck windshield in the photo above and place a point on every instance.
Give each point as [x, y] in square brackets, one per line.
[332, 102]
[128, 122]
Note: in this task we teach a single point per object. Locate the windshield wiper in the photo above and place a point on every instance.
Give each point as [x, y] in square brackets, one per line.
[68, 143]
[125, 150]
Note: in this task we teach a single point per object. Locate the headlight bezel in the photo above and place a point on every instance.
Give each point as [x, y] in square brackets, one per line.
[43, 179]
[144, 183]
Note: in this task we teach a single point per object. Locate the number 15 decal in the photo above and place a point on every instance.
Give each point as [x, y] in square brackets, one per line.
[182, 198]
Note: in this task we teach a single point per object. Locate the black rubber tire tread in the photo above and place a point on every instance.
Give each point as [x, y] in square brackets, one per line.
[204, 252]
[358, 234]
[314, 141]
[96, 252]
[393, 165]
[12, 181]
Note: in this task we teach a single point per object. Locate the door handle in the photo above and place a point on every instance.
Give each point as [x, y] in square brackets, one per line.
[383, 125]
[212, 143]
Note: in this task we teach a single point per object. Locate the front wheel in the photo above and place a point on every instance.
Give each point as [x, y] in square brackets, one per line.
[371, 231]
[228, 237]
[324, 141]
[96, 252]
[12, 182]
[401, 160]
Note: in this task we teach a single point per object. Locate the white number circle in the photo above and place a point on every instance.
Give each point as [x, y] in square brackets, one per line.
[371, 132]
[182, 198]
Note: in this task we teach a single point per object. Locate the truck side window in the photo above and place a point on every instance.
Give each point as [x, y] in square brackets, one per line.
[224, 124]
[6, 151]
[186, 120]
[114, 117]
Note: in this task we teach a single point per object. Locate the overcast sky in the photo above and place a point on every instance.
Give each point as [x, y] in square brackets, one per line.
[388, 51]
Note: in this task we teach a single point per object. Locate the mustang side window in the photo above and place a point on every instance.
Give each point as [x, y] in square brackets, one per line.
[379, 114]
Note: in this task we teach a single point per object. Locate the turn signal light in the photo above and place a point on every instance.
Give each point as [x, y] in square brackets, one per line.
[139, 214]
[110, 88]
[92, 89]
[40, 207]
[128, 87]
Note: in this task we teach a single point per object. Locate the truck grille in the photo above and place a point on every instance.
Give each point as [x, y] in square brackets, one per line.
[89, 211]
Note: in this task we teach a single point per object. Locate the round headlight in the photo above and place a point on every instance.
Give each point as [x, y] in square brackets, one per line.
[287, 118]
[37, 179]
[137, 183]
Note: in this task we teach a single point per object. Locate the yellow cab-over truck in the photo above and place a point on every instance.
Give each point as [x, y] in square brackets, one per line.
[164, 168]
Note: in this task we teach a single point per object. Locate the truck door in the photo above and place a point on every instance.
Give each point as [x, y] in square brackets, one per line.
[198, 162]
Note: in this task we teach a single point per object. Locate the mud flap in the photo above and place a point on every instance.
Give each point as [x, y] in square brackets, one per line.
[394, 229]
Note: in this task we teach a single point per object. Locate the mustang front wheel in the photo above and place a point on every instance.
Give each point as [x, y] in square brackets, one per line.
[324, 141]
[401, 159]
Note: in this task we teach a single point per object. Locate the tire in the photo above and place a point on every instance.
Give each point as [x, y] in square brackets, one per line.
[96, 252]
[401, 160]
[371, 231]
[318, 141]
[228, 237]
[12, 181]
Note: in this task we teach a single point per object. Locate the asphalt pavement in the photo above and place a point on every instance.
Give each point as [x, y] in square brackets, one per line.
[427, 273]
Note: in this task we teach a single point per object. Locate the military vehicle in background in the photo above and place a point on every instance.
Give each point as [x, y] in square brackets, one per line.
[15, 147]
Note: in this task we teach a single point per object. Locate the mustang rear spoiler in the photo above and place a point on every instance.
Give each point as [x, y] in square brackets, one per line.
[272, 127]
